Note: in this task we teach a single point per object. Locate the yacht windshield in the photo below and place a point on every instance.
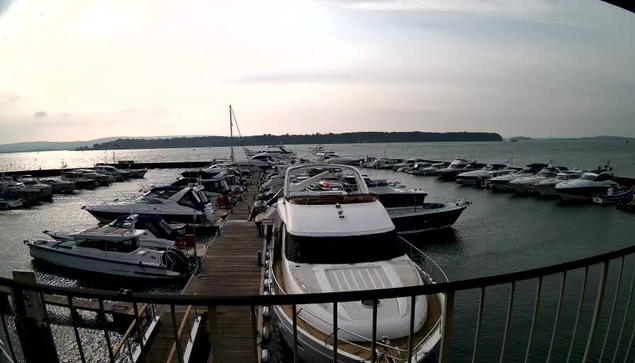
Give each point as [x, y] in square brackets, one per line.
[343, 250]
[588, 176]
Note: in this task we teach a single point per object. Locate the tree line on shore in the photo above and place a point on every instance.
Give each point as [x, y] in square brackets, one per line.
[268, 139]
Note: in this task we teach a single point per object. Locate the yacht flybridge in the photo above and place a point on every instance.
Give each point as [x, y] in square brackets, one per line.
[332, 235]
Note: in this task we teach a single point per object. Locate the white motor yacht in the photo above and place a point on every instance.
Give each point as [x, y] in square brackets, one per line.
[588, 185]
[119, 175]
[173, 204]
[153, 232]
[479, 177]
[527, 184]
[547, 188]
[112, 251]
[331, 238]
[501, 182]
[433, 169]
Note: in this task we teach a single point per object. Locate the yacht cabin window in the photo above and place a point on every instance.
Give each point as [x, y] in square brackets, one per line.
[343, 250]
[188, 201]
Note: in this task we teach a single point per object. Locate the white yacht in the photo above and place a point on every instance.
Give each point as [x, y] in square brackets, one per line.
[547, 187]
[588, 185]
[173, 204]
[433, 169]
[119, 175]
[153, 232]
[112, 251]
[479, 177]
[527, 184]
[501, 182]
[332, 239]
[274, 149]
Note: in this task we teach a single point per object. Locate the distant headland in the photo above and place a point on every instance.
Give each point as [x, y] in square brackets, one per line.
[268, 139]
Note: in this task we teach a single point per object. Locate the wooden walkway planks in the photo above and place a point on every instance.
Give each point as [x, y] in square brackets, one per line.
[230, 267]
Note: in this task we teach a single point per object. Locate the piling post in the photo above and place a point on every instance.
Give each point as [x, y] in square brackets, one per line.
[30, 322]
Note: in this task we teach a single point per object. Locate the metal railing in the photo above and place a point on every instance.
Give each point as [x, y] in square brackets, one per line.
[605, 343]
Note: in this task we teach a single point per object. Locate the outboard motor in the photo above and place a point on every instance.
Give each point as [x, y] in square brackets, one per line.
[175, 260]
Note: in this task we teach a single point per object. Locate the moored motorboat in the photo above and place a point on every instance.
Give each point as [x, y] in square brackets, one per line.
[458, 166]
[587, 186]
[154, 232]
[501, 182]
[410, 213]
[433, 169]
[614, 196]
[80, 179]
[60, 186]
[480, 176]
[527, 184]
[112, 251]
[173, 204]
[9, 203]
[547, 187]
[353, 247]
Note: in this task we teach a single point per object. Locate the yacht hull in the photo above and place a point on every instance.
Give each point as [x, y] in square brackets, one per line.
[583, 194]
[547, 190]
[99, 265]
[426, 220]
[501, 186]
[109, 216]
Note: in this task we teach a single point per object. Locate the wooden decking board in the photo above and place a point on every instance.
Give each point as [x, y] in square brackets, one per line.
[230, 267]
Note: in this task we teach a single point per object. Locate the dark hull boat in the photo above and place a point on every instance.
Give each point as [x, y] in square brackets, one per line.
[411, 214]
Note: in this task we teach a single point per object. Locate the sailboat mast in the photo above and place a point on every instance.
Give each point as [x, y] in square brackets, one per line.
[231, 133]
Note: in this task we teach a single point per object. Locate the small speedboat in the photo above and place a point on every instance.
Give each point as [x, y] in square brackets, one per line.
[119, 175]
[589, 185]
[80, 179]
[113, 251]
[614, 196]
[457, 167]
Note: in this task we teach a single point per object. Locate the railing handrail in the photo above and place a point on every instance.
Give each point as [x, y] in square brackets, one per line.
[267, 300]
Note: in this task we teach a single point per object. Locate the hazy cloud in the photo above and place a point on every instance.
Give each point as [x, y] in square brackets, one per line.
[40, 114]
[4, 5]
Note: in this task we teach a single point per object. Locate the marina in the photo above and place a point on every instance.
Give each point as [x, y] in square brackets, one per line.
[230, 263]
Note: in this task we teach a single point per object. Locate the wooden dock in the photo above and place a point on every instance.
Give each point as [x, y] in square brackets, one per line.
[230, 267]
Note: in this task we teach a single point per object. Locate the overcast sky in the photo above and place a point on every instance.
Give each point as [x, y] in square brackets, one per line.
[78, 70]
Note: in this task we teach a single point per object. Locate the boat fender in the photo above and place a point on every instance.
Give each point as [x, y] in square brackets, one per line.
[265, 312]
[265, 355]
[267, 284]
[265, 333]
[266, 293]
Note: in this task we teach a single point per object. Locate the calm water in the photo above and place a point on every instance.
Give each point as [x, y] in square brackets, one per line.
[498, 233]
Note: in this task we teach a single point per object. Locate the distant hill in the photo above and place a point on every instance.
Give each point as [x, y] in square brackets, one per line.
[268, 139]
[63, 145]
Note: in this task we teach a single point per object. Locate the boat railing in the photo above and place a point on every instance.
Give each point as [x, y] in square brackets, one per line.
[132, 343]
[598, 327]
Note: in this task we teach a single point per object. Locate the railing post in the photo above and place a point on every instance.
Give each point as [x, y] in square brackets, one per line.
[448, 323]
[335, 332]
[373, 354]
[254, 332]
[413, 303]
[577, 318]
[557, 318]
[140, 333]
[481, 306]
[588, 351]
[294, 316]
[214, 333]
[30, 322]
[534, 320]
[508, 322]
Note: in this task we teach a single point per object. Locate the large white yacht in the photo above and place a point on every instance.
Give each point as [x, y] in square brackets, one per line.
[173, 204]
[331, 239]
[501, 183]
[112, 251]
[588, 185]
[527, 184]
[479, 177]
[547, 187]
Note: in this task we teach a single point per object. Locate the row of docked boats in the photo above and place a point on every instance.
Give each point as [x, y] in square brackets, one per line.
[146, 237]
[25, 191]
[536, 178]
